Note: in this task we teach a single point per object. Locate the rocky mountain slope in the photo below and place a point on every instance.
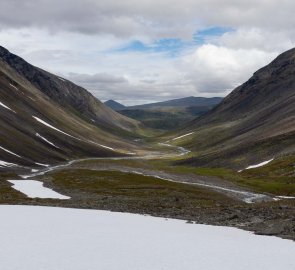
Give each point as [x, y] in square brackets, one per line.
[46, 119]
[67, 94]
[255, 122]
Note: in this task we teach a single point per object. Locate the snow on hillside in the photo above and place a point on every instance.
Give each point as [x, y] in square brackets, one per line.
[58, 130]
[10, 152]
[6, 164]
[258, 165]
[13, 86]
[185, 135]
[6, 107]
[52, 127]
[74, 239]
[41, 164]
[101, 145]
[44, 139]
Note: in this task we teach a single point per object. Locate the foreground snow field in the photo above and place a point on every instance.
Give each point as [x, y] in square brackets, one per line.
[44, 238]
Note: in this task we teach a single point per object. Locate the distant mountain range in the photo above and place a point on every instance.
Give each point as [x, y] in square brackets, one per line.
[182, 102]
[256, 122]
[167, 115]
[45, 118]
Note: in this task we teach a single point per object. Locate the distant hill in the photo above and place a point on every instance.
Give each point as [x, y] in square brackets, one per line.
[171, 114]
[167, 115]
[115, 105]
[181, 102]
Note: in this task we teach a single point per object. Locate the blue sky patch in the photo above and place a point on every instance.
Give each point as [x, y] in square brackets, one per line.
[171, 46]
[174, 46]
[201, 37]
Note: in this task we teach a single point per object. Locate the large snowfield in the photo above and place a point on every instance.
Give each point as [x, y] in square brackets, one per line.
[41, 238]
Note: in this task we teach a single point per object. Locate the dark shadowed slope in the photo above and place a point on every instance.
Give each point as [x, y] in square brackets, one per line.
[254, 123]
[69, 95]
[46, 119]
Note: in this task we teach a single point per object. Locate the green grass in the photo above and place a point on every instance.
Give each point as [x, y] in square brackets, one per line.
[128, 186]
[276, 178]
[255, 179]
[7, 193]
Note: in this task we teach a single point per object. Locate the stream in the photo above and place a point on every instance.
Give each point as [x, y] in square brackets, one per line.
[221, 187]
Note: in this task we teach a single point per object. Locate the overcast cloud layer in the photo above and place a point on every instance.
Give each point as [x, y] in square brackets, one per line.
[143, 51]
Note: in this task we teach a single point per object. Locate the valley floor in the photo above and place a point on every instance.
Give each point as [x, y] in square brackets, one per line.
[151, 185]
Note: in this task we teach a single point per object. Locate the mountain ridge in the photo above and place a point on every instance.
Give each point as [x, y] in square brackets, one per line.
[255, 122]
[66, 93]
[36, 127]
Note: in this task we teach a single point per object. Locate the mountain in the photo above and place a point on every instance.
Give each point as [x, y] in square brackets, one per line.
[68, 94]
[256, 122]
[171, 114]
[114, 105]
[181, 102]
[47, 119]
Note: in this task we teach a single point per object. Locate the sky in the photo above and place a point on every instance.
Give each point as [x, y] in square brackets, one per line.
[140, 51]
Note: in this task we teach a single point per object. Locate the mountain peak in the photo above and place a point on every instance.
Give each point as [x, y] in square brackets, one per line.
[114, 105]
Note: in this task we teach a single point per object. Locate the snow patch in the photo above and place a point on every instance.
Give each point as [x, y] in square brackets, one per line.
[58, 238]
[41, 164]
[6, 107]
[14, 154]
[35, 189]
[44, 139]
[52, 127]
[13, 87]
[286, 197]
[258, 165]
[7, 164]
[101, 145]
[185, 135]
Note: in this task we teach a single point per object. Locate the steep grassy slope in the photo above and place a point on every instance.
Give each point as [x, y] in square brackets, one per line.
[255, 122]
[45, 119]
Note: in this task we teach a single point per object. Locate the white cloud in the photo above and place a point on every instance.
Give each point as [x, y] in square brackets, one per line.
[77, 39]
[255, 38]
[145, 17]
[217, 69]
